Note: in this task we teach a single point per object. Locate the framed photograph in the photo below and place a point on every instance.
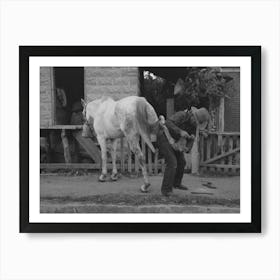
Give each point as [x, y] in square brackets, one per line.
[140, 139]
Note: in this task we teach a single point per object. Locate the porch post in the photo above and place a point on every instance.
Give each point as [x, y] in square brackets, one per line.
[222, 114]
[221, 120]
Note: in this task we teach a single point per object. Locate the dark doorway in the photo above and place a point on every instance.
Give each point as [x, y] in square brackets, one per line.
[69, 83]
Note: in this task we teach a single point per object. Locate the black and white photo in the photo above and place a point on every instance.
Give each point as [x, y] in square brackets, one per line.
[141, 137]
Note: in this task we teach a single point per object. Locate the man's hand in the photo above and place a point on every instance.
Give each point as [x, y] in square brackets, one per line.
[204, 133]
[192, 137]
[184, 134]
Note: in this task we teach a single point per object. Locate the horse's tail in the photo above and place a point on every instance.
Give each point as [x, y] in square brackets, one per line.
[146, 117]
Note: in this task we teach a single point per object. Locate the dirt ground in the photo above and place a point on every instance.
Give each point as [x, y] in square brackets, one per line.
[84, 194]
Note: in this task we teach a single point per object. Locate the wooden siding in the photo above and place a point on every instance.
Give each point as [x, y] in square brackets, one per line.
[45, 97]
[116, 82]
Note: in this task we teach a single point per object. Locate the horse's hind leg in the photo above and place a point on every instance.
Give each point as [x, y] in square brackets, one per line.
[134, 146]
[114, 175]
[102, 142]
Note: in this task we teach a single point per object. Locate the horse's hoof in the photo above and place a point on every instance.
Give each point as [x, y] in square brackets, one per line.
[145, 188]
[102, 178]
[114, 176]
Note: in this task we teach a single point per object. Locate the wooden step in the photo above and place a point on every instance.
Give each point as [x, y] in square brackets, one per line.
[88, 144]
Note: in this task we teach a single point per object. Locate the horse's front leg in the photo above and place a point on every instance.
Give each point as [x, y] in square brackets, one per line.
[114, 175]
[134, 145]
[102, 142]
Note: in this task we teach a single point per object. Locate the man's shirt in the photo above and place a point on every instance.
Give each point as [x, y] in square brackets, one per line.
[180, 121]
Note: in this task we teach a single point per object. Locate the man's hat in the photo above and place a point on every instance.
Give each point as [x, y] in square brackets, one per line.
[201, 116]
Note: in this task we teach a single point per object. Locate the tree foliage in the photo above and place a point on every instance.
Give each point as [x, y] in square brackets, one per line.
[201, 87]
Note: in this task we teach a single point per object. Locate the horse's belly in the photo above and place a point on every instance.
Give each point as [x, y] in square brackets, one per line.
[113, 133]
[108, 127]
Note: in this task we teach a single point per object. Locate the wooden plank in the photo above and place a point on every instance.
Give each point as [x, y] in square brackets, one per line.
[150, 163]
[222, 114]
[201, 140]
[215, 141]
[156, 163]
[69, 166]
[222, 152]
[226, 149]
[141, 81]
[220, 165]
[212, 149]
[222, 156]
[94, 166]
[136, 164]
[223, 133]
[129, 161]
[90, 147]
[122, 155]
[230, 158]
[237, 157]
[53, 96]
[78, 126]
[66, 148]
[234, 138]
[202, 155]
[208, 145]
[208, 149]
[220, 141]
[215, 148]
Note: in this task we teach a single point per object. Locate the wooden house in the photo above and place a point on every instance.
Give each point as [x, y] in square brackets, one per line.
[58, 123]
[82, 82]
[218, 152]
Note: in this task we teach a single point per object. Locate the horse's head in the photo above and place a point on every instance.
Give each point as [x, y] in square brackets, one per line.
[88, 125]
[90, 108]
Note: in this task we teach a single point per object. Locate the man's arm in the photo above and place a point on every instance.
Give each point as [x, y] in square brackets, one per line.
[173, 122]
[174, 130]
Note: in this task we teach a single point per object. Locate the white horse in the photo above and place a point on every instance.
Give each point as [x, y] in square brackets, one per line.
[129, 117]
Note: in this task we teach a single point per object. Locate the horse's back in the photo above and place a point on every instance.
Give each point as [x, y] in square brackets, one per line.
[129, 103]
[128, 114]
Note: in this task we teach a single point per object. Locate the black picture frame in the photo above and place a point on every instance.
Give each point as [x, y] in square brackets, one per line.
[25, 52]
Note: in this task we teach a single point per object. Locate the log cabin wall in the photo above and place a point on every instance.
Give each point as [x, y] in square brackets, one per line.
[46, 98]
[115, 82]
